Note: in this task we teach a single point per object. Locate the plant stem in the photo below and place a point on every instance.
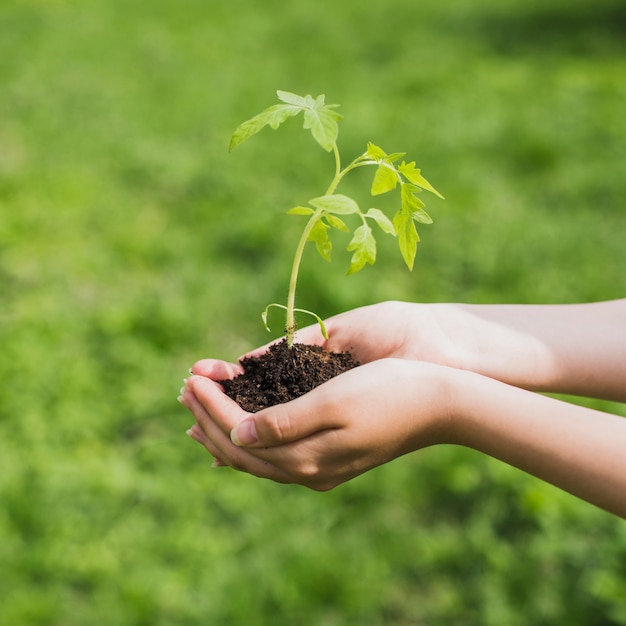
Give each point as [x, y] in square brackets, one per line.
[290, 319]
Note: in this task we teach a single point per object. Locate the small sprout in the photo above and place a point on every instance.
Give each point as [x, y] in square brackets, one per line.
[328, 211]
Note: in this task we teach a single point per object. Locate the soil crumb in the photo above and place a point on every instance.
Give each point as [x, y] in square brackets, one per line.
[282, 374]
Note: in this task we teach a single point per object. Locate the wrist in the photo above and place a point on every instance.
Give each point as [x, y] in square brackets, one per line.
[436, 406]
[495, 341]
[452, 420]
[470, 400]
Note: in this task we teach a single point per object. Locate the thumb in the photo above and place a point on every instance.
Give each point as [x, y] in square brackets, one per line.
[280, 424]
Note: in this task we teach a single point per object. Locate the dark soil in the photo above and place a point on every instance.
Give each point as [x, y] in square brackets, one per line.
[282, 374]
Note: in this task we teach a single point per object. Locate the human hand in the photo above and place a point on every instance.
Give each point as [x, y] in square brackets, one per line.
[354, 422]
[537, 347]
[390, 329]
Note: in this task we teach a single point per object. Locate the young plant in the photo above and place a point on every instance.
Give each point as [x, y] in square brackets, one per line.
[329, 210]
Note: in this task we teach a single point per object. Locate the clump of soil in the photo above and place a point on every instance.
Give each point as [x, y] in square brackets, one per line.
[282, 374]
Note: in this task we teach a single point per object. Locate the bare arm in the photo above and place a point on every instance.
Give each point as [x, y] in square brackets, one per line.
[580, 450]
[578, 349]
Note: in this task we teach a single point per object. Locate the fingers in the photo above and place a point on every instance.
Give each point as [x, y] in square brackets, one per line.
[212, 399]
[213, 433]
[228, 431]
[216, 369]
[197, 434]
[275, 426]
[298, 419]
[318, 440]
[269, 427]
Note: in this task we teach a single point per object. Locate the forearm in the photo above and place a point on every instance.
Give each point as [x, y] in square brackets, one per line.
[578, 349]
[577, 449]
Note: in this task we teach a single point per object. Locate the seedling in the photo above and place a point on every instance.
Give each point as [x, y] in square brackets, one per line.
[327, 211]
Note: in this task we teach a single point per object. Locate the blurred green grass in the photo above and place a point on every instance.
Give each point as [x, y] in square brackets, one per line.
[132, 244]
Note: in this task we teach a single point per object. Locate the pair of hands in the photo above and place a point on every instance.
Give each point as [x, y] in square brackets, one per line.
[439, 373]
[397, 401]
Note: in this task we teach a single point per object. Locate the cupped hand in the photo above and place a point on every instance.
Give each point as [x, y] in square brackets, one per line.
[390, 329]
[354, 422]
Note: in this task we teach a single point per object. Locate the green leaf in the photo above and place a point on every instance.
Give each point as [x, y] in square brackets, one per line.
[319, 234]
[413, 175]
[266, 311]
[335, 203]
[300, 210]
[394, 156]
[291, 98]
[410, 201]
[422, 217]
[322, 120]
[382, 220]
[320, 321]
[407, 236]
[385, 179]
[364, 246]
[335, 222]
[374, 152]
[412, 205]
[274, 116]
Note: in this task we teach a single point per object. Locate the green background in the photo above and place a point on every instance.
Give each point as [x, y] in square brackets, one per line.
[133, 244]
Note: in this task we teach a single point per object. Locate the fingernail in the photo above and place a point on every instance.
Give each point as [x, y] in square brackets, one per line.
[217, 463]
[244, 433]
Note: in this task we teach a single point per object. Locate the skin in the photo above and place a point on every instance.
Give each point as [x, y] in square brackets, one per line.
[440, 374]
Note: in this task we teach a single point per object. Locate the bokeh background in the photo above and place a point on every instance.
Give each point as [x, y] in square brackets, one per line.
[133, 244]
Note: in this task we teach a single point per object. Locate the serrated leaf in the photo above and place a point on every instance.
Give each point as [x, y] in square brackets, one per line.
[323, 125]
[413, 175]
[385, 180]
[335, 222]
[422, 217]
[374, 152]
[335, 203]
[385, 224]
[319, 234]
[394, 156]
[410, 201]
[364, 246]
[274, 116]
[320, 118]
[407, 236]
[300, 210]
[292, 98]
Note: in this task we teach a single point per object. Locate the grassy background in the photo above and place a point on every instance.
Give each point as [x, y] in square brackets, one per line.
[132, 244]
